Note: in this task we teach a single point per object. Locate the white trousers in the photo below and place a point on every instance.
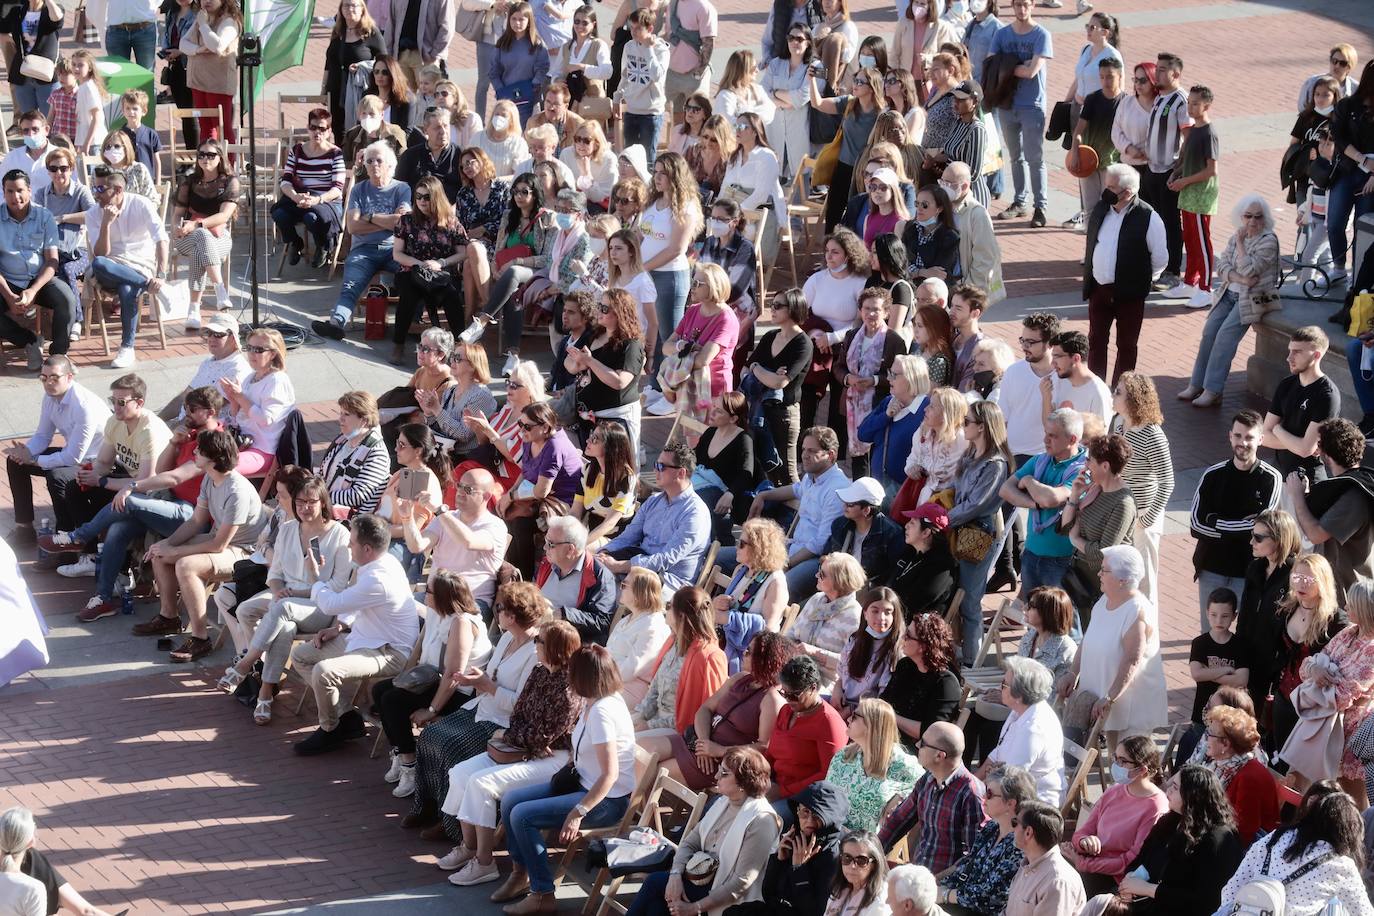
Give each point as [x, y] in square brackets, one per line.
[476, 785]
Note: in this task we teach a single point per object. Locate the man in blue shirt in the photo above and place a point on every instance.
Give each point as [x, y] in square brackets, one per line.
[671, 532]
[1023, 124]
[28, 260]
[1043, 485]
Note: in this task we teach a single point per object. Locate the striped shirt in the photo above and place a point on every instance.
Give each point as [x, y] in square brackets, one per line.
[1149, 475]
[967, 143]
[1168, 117]
[314, 174]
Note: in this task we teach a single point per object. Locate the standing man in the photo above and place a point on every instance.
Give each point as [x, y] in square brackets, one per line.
[1300, 403]
[1046, 885]
[73, 412]
[978, 250]
[131, 31]
[1169, 122]
[1337, 514]
[32, 154]
[1127, 249]
[1073, 384]
[417, 33]
[128, 253]
[1043, 485]
[692, 31]
[1023, 124]
[966, 305]
[28, 262]
[1229, 495]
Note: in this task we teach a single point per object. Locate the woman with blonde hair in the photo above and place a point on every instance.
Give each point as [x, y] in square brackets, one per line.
[446, 412]
[874, 767]
[638, 638]
[428, 240]
[702, 348]
[670, 223]
[502, 140]
[259, 405]
[893, 422]
[756, 597]
[895, 142]
[1310, 617]
[117, 152]
[593, 163]
[1149, 472]
[22, 895]
[91, 96]
[830, 617]
[939, 444]
[524, 386]
[710, 155]
[740, 91]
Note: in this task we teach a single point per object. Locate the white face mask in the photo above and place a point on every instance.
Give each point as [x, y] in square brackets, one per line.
[951, 190]
[500, 122]
[918, 13]
[1120, 775]
[1326, 109]
[370, 124]
[114, 155]
[719, 227]
[596, 246]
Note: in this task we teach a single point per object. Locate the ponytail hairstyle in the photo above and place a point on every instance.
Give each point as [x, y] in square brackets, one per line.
[431, 454]
[1112, 26]
[16, 836]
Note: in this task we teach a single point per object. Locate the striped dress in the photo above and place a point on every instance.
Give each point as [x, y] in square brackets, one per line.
[967, 143]
[1149, 475]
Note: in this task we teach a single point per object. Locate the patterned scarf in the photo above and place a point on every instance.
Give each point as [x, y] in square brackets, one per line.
[1226, 770]
[865, 358]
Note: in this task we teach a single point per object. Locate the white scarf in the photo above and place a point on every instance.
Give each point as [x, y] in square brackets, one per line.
[749, 810]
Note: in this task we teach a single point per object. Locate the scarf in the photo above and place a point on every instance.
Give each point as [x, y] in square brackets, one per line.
[563, 242]
[1226, 770]
[749, 810]
[864, 358]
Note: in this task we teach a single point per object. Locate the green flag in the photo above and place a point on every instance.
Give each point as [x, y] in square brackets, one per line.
[283, 27]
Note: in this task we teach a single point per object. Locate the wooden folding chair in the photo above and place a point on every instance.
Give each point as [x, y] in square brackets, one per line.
[801, 206]
[755, 225]
[1171, 745]
[647, 766]
[707, 564]
[992, 635]
[952, 613]
[97, 300]
[180, 154]
[691, 429]
[789, 616]
[1085, 755]
[717, 582]
[693, 802]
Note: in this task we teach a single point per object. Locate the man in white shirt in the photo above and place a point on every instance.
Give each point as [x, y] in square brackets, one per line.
[1072, 384]
[79, 416]
[1032, 737]
[978, 250]
[379, 613]
[1021, 398]
[128, 252]
[31, 155]
[221, 335]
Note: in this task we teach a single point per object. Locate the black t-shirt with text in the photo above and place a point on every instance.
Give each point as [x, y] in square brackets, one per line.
[1210, 653]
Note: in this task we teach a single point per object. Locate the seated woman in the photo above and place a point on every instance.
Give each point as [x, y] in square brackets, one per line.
[259, 405]
[431, 374]
[924, 573]
[356, 467]
[751, 178]
[739, 834]
[482, 202]
[860, 888]
[593, 163]
[932, 336]
[701, 350]
[629, 197]
[430, 245]
[418, 455]
[519, 609]
[625, 270]
[891, 425]
[637, 642]
[311, 185]
[550, 466]
[862, 366]
[445, 411]
[606, 500]
[939, 444]
[501, 432]
[578, 586]
[1231, 738]
[593, 791]
[1049, 615]
[979, 883]
[310, 547]
[203, 216]
[868, 657]
[831, 615]
[924, 689]
[1116, 827]
[725, 464]
[693, 668]
[537, 739]
[707, 158]
[117, 152]
[502, 140]
[874, 768]
[807, 733]
[930, 237]
[756, 598]
[726, 245]
[454, 640]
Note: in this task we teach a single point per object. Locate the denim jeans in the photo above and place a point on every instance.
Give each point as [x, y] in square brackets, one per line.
[129, 283]
[1343, 197]
[644, 129]
[364, 262]
[1364, 387]
[1037, 571]
[531, 810]
[671, 286]
[486, 54]
[141, 514]
[512, 313]
[1221, 335]
[138, 45]
[649, 901]
[412, 563]
[973, 579]
[1023, 133]
[1208, 582]
[31, 96]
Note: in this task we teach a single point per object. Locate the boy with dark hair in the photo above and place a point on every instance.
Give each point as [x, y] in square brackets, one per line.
[1194, 177]
[1218, 657]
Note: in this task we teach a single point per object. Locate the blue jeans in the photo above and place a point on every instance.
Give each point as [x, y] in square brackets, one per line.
[643, 129]
[364, 262]
[530, 810]
[1364, 387]
[973, 579]
[486, 53]
[671, 286]
[31, 97]
[1343, 197]
[129, 283]
[1221, 335]
[412, 563]
[1023, 132]
[138, 45]
[141, 514]
[1208, 582]
[1037, 571]
[649, 901]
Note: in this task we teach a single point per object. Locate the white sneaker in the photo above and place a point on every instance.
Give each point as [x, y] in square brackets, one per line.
[661, 407]
[475, 872]
[193, 322]
[85, 566]
[75, 334]
[224, 299]
[123, 359]
[394, 773]
[1201, 299]
[405, 786]
[1337, 275]
[457, 857]
[512, 361]
[1181, 290]
[65, 539]
[1084, 6]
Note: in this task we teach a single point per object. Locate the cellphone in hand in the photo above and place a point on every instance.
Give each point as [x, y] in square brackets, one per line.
[411, 484]
[315, 551]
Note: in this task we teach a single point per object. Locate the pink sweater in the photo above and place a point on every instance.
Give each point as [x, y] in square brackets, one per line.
[1121, 821]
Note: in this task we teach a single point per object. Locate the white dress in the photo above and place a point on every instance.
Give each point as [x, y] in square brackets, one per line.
[1144, 704]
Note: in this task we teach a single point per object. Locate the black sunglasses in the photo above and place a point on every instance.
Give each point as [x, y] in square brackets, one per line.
[423, 196]
[207, 154]
[254, 348]
[59, 168]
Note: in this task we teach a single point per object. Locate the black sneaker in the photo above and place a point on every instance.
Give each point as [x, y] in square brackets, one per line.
[319, 742]
[330, 329]
[321, 256]
[294, 252]
[23, 536]
[1038, 219]
[351, 725]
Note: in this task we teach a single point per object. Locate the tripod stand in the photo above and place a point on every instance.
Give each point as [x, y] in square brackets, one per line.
[249, 60]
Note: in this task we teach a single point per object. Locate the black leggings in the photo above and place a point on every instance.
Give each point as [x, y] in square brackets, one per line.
[838, 195]
[393, 705]
[410, 299]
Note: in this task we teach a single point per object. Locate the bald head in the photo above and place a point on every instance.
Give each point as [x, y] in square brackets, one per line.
[946, 737]
[481, 479]
[957, 173]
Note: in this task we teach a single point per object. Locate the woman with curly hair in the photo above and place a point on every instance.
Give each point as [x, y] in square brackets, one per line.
[608, 368]
[1149, 472]
[1229, 742]
[923, 688]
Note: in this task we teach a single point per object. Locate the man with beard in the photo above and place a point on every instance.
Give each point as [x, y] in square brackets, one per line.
[1337, 514]
[1229, 496]
[1072, 383]
[134, 511]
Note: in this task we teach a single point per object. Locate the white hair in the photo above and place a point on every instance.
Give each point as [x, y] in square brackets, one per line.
[1031, 681]
[1067, 419]
[913, 884]
[1124, 562]
[16, 836]
[1126, 176]
[527, 373]
[568, 528]
[1238, 211]
[937, 286]
[383, 151]
[999, 351]
[439, 338]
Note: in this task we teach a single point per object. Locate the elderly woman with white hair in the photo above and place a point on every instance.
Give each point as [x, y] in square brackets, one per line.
[502, 431]
[911, 891]
[1032, 737]
[991, 358]
[20, 895]
[1247, 281]
[1119, 661]
[893, 422]
[579, 587]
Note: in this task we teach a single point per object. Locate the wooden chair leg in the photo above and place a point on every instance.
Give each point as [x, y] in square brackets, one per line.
[155, 313]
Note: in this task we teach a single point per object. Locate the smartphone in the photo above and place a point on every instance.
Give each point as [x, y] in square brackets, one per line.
[315, 551]
[411, 484]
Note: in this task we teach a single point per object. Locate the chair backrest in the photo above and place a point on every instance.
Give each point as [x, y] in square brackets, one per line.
[620, 612]
[993, 636]
[755, 224]
[313, 101]
[952, 612]
[181, 154]
[789, 617]
[707, 564]
[690, 428]
[717, 582]
[1085, 755]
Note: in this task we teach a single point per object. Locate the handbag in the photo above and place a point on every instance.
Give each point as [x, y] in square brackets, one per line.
[418, 679]
[596, 108]
[701, 868]
[826, 160]
[1361, 313]
[510, 253]
[564, 404]
[37, 68]
[503, 752]
[521, 92]
[470, 23]
[430, 280]
[905, 499]
[970, 543]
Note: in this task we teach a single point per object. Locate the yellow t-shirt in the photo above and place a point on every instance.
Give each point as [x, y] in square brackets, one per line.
[139, 446]
[594, 500]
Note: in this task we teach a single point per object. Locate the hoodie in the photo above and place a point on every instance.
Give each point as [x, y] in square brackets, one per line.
[804, 891]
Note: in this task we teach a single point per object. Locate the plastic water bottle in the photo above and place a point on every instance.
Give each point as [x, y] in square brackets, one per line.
[45, 526]
[126, 593]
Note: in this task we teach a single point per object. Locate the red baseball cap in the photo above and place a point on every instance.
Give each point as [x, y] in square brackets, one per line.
[933, 514]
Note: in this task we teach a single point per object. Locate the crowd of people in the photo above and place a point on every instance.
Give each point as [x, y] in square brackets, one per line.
[530, 606]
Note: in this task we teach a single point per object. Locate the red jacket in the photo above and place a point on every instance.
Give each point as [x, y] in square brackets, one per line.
[1255, 798]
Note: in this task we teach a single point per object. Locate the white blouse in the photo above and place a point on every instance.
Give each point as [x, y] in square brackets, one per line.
[288, 558]
[509, 669]
[504, 154]
[730, 102]
[600, 177]
[635, 643]
[271, 399]
[757, 178]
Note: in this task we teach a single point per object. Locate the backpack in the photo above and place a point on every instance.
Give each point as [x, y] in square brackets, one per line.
[1261, 897]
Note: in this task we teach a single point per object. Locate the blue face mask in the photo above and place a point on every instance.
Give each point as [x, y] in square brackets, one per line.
[867, 60]
[876, 634]
[927, 223]
[564, 221]
[34, 142]
[1120, 775]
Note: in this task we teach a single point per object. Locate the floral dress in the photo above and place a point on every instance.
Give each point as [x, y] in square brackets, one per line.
[982, 878]
[475, 215]
[426, 241]
[868, 795]
[658, 709]
[1354, 655]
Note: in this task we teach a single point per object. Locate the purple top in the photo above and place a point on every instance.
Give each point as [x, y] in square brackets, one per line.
[559, 461]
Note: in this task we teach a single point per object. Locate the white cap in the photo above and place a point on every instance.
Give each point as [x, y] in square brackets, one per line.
[222, 321]
[863, 490]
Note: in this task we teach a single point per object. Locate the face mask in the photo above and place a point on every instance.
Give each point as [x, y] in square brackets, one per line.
[500, 122]
[370, 124]
[876, 634]
[983, 380]
[1110, 197]
[564, 221]
[1120, 775]
[950, 189]
[114, 155]
[1326, 110]
[719, 227]
[927, 223]
[918, 13]
[596, 246]
[867, 60]
[35, 142]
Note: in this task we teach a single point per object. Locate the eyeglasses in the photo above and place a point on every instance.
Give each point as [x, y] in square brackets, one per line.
[604, 309]
[743, 542]
[419, 197]
[1339, 62]
[557, 543]
[1213, 735]
[1029, 341]
[580, 139]
[699, 281]
[426, 348]
[860, 861]
[1258, 538]
[1091, 26]
[100, 188]
[467, 489]
[933, 747]
[50, 376]
[120, 402]
[892, 81]
[254, 348]
[319, 127]
[862, 82]
[217, 335]
[211, 154]
[660, 466]
[1304, 580]
[513, 385]
[59, 168]
[623, 200]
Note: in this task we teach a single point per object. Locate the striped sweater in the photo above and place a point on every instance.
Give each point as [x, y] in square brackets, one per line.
[313, 174]
[1150, 473]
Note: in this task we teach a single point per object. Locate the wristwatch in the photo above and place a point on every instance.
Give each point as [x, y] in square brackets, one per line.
[581, 810]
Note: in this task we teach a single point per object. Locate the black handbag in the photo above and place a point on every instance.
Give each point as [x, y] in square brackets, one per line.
[430, 280]
[566, 781]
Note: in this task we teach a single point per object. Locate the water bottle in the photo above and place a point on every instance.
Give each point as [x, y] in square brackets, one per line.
[45, 527]
[126, 593]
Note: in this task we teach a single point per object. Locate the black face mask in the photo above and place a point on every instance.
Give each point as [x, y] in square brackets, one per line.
[1111, 197]
[984, 380]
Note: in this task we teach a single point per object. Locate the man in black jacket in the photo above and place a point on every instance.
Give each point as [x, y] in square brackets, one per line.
[863, 531]
[1337, 514]
[1127, 250]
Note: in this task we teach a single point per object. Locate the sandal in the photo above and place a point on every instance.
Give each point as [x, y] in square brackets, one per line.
[262, 713]
[231, 679]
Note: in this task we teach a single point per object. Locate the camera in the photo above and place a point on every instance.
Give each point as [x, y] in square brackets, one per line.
[250, 50]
